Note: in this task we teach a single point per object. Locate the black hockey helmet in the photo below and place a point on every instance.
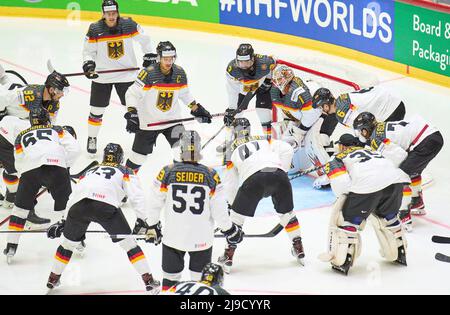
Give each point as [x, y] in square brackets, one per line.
[241, 127]
[212, 274]
[39, 116]
[113, 153]
[166, 49]
[245, 57]
[110, 5]
[322, 97]
[70, 130]
[190, 146]
[58, 81]
[348, 140]
[366, 121]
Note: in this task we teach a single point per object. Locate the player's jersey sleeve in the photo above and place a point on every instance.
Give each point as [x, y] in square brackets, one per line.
[284, 151]
[218, 206]
[143, 39]
[70, 145]
[339, 177]
[158, 195]
[135, 93]
[133, 189]
[390, 150]
[181, 78]
[90, 44]
[231, 181]
[233, 87]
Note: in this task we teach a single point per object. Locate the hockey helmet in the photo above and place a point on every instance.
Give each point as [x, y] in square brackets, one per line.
[212, 274]
[39, 116]
[281, 76]
[245, 56]
[348, 140]
[113, 153]
[365, 121]
[322, 97]
[57, 81]
[241, 128]
[109, 6]
[166, 49]
[190, 146]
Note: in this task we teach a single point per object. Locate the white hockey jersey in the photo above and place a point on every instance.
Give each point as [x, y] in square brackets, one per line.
[110, 183]
[239, 82]
[18, 102]
[395, 139]
[44, 145]
[376, 99]
[155, 96]
[112, 49]
[252, 154]
[193, 199]
[195, 288]
[362, 171]
[11, 126]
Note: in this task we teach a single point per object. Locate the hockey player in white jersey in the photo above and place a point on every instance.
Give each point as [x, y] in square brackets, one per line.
[257, 169]
[97, 198]
[109, 46]
[365, 184]
[193, 199]
[292, 96]
[154, 98]
[411, 144]
[210, 283]
[42, 155]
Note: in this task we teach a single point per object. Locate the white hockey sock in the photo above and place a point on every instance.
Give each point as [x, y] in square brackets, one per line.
[17, 223]
[95, 120]
[135, 255]
[63, 255]
[290, 223]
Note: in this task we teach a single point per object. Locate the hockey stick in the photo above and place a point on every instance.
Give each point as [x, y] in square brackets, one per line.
[51, 69]
[305, 172]
[5, 220]
[272, 233]
[440, 239]
[73, 177]
[442, 257]
[17, 75]
[242, 106]
[174, 121]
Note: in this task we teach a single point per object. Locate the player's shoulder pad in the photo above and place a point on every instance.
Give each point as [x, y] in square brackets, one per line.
[232, 70]
[96, 28]
[164, 173]
[128, 24]
[179, 74]
[146, 75]
[266, 62]
[378, 136]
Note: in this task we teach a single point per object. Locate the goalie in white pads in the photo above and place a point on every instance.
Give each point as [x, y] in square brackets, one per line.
[193, 199]
[366, 184]
[411, 144]
[257, 169]
[96, 198]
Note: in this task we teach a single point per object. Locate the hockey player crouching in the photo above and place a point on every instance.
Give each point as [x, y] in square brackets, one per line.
[96, 199]
[366, 184]
[260, 165]
[193, 198]
[42, 155]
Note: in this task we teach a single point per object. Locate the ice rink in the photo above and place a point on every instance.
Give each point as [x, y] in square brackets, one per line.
[261, 266]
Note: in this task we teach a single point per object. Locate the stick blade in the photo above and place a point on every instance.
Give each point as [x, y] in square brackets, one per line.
[440, 239]
[442, 257]
[50, 66]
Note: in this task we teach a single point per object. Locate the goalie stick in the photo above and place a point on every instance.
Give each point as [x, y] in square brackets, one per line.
[440, 239]
[442, 257]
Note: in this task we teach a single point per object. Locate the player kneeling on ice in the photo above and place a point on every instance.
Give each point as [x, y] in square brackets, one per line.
[412, 144]
[42, 155]
[193, 198]
[291, 95]
[96, 199]
[260, 165]
[366, 184]
[210, 283]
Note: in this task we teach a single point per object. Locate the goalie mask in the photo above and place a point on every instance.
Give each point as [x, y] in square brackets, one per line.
[190, 146]
[282, 76]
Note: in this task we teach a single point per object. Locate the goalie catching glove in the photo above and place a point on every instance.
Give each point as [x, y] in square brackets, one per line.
[152, 232]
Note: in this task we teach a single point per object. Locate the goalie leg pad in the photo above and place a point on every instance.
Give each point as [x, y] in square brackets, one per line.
[390, 236]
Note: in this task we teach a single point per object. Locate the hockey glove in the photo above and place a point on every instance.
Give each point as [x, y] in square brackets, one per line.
[201, 113]
[149, 59]
[234, 235]
[265, 87]
[229, 117]
[56, 230]
[132, 120]
[89, 69]
[153, 233]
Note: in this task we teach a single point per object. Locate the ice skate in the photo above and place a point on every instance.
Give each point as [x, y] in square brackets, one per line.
[10, 251]
[405, 218]
[417, 205]
[53, 281]
[345, 267]
[151, 285]
[226, 260]
[92, 146]
[297, 250]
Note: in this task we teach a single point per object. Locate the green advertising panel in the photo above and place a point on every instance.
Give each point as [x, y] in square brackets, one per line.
[198, 10]
[422, 38]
